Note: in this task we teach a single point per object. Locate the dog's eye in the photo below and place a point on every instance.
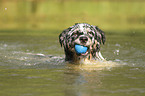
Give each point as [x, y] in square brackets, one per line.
[90, 33]
[74, 34]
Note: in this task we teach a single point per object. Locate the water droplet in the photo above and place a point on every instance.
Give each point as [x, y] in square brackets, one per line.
[6, 8]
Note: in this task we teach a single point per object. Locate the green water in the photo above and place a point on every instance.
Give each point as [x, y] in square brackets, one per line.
[34, 66]
[32, 61]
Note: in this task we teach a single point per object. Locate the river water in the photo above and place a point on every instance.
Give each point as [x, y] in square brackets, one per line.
[33, 65]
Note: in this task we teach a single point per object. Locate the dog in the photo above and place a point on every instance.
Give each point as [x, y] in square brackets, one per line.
[82, 34]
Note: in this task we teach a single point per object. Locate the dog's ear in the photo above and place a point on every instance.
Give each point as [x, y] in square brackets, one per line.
[100, 37]
[63, 36]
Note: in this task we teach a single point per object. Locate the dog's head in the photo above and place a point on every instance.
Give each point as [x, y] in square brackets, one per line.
[81, 34]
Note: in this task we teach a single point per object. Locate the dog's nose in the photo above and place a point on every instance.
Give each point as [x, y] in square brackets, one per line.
[83, 39]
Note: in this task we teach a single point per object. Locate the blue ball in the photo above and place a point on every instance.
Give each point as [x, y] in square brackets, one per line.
[80, 49]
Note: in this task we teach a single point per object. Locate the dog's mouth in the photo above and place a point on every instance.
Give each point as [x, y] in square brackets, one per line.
[82, 50]
[85, 54]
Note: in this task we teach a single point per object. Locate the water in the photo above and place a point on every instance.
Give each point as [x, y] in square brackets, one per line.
[32, 61]
[35, 66]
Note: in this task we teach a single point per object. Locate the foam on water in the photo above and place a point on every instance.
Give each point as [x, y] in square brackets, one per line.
[94, 65]
[13, 54]
[18, 58]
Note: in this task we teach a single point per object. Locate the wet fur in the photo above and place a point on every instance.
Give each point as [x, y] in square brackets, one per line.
[71, 36]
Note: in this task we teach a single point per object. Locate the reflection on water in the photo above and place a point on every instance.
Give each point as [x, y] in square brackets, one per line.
[38, 68]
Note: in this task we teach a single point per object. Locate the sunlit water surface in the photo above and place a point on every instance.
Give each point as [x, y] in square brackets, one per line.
[35, 66]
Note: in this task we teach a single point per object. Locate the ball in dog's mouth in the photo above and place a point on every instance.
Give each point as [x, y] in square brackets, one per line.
[80, 49]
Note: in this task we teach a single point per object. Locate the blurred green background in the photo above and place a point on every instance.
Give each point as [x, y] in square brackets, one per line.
[48, 16]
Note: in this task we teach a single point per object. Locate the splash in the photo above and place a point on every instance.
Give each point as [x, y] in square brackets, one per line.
[94, 65]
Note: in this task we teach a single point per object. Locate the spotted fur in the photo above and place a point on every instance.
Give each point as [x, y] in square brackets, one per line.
[82, 34]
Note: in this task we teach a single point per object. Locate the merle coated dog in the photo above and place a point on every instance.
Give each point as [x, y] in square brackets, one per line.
[82, 34]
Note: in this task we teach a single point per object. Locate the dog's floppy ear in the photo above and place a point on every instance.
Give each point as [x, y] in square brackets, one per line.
[63, 36]
[100, 38]
[61, 39]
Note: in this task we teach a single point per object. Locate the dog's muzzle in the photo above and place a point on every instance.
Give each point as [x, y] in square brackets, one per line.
[83, 39]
